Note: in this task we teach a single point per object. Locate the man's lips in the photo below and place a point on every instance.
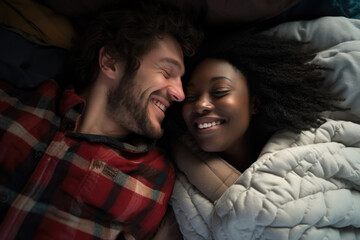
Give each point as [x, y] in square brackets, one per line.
[160, 103]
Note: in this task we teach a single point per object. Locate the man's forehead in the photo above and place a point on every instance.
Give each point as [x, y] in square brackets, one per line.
[165, 50]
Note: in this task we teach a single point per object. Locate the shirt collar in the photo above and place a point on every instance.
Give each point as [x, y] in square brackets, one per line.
[139, 146]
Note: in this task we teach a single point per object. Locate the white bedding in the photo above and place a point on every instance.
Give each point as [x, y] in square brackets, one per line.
[337, 41]
[303, 186]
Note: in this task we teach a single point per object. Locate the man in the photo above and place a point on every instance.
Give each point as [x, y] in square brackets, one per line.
[73, 164]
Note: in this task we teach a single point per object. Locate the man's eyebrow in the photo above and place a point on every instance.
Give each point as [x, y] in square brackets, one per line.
[174, 62]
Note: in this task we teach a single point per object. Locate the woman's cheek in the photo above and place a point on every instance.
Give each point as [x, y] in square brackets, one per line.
[186, 112]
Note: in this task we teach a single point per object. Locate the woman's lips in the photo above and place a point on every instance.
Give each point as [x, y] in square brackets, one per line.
[208, 124]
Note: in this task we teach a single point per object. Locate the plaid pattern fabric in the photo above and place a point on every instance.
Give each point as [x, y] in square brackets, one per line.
[57, 184]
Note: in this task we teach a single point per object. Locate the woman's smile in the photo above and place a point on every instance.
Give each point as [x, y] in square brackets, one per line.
[217, 105]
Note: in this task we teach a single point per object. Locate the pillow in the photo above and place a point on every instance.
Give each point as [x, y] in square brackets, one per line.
[71, 8]
[37, 20]
[344, 79]
[336, 40]
[322, 33]
[243, 11]
[26, 64]
[218, 12]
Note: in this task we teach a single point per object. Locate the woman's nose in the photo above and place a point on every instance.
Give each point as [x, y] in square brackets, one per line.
[203, 104]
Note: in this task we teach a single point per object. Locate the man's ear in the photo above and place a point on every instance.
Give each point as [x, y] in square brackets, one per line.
[111, 68]
[255, 103]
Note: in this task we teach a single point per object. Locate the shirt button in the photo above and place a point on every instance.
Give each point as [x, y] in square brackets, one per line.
[38, 154]
[4, 198]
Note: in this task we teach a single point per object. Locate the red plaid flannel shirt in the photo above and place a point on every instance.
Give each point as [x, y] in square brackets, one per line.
[57, 184]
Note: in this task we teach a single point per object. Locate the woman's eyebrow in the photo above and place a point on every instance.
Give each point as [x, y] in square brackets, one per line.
[214, 79]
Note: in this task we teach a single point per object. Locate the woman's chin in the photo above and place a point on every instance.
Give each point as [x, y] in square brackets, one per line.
[209, 146]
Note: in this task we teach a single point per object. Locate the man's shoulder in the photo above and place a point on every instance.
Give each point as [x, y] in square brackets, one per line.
[49, 88]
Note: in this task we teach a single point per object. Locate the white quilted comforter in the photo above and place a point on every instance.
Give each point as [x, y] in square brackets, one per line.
[303, 186]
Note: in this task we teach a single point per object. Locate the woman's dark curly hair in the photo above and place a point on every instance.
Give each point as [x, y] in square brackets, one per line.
[279, 72]
[127, 33]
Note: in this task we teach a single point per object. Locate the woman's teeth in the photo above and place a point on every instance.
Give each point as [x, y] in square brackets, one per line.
[208, 125]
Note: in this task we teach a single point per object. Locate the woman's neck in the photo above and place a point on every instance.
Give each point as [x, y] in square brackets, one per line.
[240, 155]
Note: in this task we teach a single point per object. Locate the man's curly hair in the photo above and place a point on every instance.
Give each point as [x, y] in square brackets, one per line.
[289, 87]
[127, 33]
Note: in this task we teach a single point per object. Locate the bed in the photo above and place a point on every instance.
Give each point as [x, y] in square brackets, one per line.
[303, 186]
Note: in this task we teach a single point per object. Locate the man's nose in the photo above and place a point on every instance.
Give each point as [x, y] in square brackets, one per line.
[176, 91]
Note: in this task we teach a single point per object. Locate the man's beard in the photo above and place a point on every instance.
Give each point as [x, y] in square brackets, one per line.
[130, 110]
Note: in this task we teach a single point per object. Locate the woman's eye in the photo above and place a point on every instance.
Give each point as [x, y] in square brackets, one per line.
[220, 93]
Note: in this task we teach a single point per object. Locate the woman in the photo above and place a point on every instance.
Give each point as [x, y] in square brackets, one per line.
[245, 87]
[242, 89]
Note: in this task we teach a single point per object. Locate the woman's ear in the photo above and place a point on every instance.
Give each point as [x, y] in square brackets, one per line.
[255, 103]
[111, 68]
